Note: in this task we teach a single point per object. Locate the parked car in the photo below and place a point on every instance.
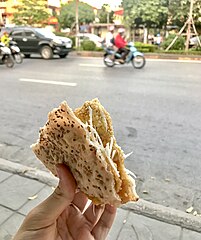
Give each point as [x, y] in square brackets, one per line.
[91, 37]
[39, 40]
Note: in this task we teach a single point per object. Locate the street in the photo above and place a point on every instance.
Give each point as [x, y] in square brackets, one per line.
[156, 114]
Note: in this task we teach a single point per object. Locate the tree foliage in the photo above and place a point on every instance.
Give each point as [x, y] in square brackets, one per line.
[179, 11]
[67, 14]
[31, 12]
[179, 44]
[159, 12]
[103, 14]
[146, 12]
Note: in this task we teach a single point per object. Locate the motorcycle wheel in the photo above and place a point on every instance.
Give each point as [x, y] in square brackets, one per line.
[18, 58]
[138, 62]
[9, 61]
[108, 61]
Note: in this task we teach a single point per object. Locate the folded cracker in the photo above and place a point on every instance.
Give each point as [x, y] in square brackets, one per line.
[84, 140]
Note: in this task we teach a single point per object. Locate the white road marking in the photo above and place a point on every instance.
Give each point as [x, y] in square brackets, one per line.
[147, 59]
[48, 82]
[173, 60]
[91, 65]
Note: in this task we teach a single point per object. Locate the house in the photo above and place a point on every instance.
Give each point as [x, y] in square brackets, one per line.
[118, 16]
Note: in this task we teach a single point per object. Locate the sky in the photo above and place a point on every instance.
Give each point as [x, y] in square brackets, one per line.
[99, 3]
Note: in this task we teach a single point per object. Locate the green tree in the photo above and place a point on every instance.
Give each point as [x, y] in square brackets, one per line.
[146, 12]
[159, 12]
[179, 11]
[67, 14]
[103, 14]
[31, 12]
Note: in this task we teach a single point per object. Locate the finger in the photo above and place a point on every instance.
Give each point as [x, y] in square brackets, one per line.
[79, 227]
[49, 210]
[85, 234]
[63, 231]
[104, 224]
[93, 214]
[80, 200]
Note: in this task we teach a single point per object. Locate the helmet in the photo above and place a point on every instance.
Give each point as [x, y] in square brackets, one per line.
[111, 28]
[121, 30]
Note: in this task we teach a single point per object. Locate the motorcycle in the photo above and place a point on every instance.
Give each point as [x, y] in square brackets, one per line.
[6, 56]
[15, 51]
[112, 57]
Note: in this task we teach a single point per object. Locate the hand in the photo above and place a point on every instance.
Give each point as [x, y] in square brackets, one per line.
[61, 216]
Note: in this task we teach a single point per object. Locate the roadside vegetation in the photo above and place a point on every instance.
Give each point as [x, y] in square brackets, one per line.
[144, 48]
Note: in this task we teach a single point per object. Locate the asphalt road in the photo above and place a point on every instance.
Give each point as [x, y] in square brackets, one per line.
[156, 114]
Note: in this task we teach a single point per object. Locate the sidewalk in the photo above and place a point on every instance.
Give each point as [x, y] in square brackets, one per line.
[22, 188]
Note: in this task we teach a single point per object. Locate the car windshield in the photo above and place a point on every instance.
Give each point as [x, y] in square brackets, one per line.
[46, 33]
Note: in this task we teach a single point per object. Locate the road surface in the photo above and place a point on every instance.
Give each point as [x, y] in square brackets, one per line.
[156, 114]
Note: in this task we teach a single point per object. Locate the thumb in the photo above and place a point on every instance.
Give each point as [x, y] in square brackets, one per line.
[50, 209]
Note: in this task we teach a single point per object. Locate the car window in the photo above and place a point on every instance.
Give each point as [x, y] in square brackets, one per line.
[29, 33]
[17, 33]
[45, 33]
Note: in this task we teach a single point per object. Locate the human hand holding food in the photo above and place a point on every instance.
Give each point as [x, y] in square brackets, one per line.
[62, 216]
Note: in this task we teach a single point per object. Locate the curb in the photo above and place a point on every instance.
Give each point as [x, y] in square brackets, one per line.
[28, 172]
[142, 207]
[165, 214]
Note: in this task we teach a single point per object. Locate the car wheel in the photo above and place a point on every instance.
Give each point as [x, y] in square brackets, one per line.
[27, 55]
[46, 52]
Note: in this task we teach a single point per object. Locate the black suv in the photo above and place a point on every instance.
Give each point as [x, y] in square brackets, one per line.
[39, 40]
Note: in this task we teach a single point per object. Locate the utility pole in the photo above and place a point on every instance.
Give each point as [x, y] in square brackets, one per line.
[189, 26]
[108, 17]
[108, 10]
[76, 23]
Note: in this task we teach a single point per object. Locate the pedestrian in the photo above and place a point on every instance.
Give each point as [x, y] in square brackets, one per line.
[158, 39]
[61, 215]
[121, 43]
[151, 39]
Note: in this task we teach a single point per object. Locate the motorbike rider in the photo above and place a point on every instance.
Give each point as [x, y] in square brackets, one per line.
[5, 39]
[109, 38]
[121, 43]
[109, 41]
